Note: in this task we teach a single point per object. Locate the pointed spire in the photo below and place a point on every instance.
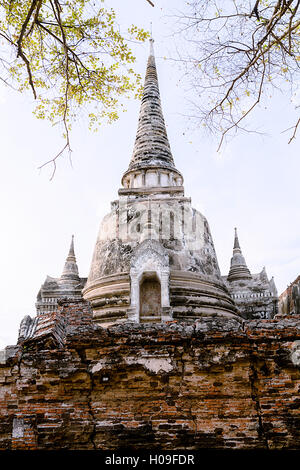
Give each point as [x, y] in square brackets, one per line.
[151, 146]
[273, 288]
[236, 240]
[263, 275]
[238, 268]
[70, 272]
[151, 53]
[71, 250]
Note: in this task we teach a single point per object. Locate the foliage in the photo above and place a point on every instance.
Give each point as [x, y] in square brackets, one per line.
[70, 54]
[240, 49]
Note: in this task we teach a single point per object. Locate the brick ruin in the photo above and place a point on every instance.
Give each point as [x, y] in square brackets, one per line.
[289, 300]
[216, 383]
[155, 349]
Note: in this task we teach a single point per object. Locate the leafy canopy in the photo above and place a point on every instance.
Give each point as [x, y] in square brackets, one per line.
[69, 53]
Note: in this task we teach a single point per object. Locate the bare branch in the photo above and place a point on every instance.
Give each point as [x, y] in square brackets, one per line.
[53, 160]
[236, 124]
[255, 10]
[234, 57]
[295, 131]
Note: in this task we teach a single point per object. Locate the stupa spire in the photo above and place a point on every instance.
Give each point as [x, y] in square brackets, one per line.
[238, 267]
[236, 240]
[151, 146]
[70, 271]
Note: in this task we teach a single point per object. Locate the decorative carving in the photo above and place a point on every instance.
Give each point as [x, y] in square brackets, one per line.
[149, 261]
[26, 326]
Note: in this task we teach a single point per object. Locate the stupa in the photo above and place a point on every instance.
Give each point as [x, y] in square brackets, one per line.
[154, 258]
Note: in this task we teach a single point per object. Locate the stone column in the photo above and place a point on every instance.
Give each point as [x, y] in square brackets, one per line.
[133, 311]
[165, 297]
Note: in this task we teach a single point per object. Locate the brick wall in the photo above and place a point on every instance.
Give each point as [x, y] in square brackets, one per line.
[215, 383]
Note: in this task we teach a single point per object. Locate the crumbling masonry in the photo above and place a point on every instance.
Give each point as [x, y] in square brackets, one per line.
[216, 382]
[155, 349]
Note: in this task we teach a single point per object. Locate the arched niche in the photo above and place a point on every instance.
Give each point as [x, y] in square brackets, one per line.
[150, 297]
[149, 271]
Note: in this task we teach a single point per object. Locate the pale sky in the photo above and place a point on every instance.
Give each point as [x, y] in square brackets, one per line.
[252, 184]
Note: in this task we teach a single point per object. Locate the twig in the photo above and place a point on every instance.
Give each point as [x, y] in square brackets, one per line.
[236, 124]
[53, 160]
[295, 131]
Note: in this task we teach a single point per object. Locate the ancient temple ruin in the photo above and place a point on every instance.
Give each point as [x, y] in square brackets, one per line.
[68, 285]
[289, 300]
[155, 350]
[154, 259]
[254, 294]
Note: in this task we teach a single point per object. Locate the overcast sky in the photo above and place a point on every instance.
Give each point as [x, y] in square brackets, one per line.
[252, 184]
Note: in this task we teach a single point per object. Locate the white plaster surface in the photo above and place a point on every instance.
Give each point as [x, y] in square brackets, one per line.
[156, 365]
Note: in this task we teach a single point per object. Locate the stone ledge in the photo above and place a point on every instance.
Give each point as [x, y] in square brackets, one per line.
[152, 190]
